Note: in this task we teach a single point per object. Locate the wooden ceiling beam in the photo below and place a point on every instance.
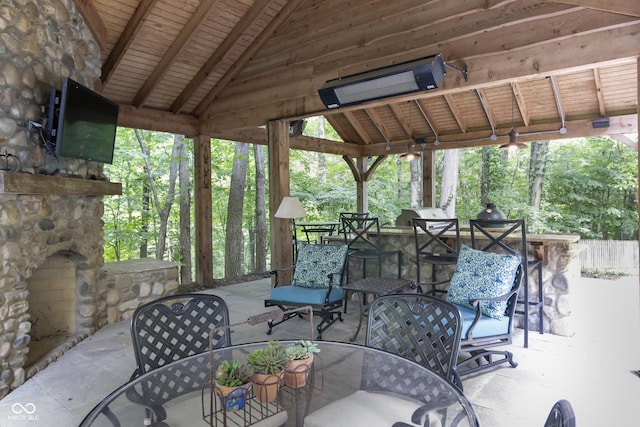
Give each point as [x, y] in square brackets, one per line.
[246, 22]
[186, 34]
[355, 124]
[598, 83]
[379, 123]
[93, 20]
[465, 43]
[519, 99]
[623, 7]
[455, 111]
[575, 129]
[306, 143]
[162, 121]
[237, 67]
[126, 38]
[402, 119]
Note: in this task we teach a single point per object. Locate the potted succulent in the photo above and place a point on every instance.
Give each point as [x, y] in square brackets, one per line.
[299, 362]
[268, 363]
[233, 383]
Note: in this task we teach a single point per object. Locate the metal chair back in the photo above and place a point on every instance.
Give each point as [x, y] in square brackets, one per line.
[421, 328]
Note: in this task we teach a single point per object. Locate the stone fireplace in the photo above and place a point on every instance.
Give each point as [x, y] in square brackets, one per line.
[51, 232]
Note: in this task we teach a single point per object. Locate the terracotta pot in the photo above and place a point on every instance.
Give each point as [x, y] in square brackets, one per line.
[266, 387]
[233, 398]
[296, 372]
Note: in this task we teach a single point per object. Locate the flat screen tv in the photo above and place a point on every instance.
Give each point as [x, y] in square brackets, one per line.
[82, 123]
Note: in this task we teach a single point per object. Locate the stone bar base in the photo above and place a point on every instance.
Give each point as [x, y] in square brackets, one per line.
[135, 282]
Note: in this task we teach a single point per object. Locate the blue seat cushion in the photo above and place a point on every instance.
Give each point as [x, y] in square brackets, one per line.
[486, 326]
[316, 262]
[300, 295]
[480, 274]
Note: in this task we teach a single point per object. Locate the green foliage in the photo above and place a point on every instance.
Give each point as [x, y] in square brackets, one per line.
[233, 373]
[302, 349]
[268, 360]
[590, 188]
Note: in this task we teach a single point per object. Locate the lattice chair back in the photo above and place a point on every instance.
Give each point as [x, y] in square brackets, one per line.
[561, 415]
[418, 327]
[357, 233]
[172, 328]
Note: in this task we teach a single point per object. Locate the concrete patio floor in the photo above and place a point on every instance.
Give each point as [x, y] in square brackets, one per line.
[594, 369]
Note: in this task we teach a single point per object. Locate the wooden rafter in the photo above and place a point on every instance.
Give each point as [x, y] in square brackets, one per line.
[624, 7]
[126, 38]
[161, 69]
[598, 83]
[379, 123]
[455, 111]
[522, 108]
[95, 24]
[362, 133]
[402, 119]
[236, 68]
[248, 20]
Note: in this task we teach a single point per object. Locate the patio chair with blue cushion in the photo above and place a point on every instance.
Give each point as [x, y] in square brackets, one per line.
[316, 282]
[484, 287]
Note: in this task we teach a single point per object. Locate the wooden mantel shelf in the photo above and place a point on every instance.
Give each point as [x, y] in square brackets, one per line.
[25, 183]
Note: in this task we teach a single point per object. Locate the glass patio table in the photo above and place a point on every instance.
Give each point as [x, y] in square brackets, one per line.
[349, 384]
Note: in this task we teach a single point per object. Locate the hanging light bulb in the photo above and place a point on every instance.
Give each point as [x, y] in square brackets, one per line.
[410, 155]
[513, 144]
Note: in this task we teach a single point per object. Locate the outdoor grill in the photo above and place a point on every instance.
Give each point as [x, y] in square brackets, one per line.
[404, 220]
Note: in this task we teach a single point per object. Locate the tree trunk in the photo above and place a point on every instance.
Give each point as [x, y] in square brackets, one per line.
[449, 186]
[234, 237]
[164, 210]
[414, 184]
[185, 216]
[322, 164]
[146, 214]
[485, 181]
[537, 168]
[261, 211]
[399, 177]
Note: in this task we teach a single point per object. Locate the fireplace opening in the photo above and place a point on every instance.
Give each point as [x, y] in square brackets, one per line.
[52, 306]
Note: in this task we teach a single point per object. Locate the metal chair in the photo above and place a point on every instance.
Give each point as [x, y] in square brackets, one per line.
[484, 288]
[363, 246]
[561, 415]
[509, 236]
[433, 247]
[421, 328]
[316, 282]
[169, 329]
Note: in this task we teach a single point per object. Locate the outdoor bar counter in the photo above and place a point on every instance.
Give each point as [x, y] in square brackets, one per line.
[560, 261]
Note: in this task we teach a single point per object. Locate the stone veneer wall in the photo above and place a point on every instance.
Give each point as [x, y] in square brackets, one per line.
[41, 41]
[135, 282]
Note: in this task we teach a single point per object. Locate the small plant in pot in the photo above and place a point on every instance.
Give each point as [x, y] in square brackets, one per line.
[300, 361]
[233, 384]
[269, 363]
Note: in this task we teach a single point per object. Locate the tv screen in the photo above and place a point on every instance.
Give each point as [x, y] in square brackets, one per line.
[83, 123]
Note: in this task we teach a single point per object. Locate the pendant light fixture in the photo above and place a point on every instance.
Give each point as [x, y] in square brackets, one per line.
[410, 155]
[513, 135]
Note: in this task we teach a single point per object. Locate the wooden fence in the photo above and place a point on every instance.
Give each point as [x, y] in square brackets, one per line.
[619, 256]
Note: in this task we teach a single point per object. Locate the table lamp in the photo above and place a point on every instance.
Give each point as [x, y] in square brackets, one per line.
[291, 208]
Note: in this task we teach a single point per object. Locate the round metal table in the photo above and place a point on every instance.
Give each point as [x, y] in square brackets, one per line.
[349, 384]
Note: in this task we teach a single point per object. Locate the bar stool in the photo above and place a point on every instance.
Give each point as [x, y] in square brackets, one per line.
[497, 232]
[434, 247]
[363, 246]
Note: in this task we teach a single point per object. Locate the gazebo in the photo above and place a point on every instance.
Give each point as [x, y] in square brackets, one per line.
[546, 70]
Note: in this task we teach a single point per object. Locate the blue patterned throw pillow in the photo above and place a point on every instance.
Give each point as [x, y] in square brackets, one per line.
[314, 264]
[481, 274]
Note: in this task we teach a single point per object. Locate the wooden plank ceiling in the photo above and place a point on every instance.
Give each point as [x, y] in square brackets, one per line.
[226, 67]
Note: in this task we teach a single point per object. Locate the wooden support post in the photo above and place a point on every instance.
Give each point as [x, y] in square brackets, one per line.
[362, 186]
[202, 195]
[279, 187]
[428, 183]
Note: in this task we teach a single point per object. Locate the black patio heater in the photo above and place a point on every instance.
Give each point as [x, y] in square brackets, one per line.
[492, 213]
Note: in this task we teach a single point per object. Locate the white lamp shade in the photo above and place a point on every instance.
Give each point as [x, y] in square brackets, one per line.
[290, 207]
